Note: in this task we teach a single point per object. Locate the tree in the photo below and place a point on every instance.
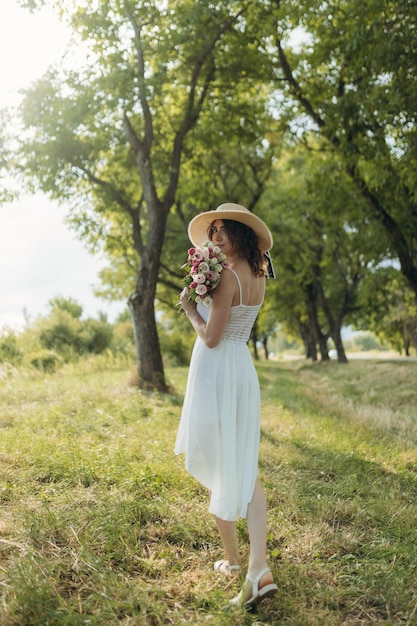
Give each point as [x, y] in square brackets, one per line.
[266, 325]
[109, 137]
[353, 81]
[322, 252]
[387, 309]
[166, 89]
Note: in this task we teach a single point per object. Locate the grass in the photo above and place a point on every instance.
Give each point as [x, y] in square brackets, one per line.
[101, 525]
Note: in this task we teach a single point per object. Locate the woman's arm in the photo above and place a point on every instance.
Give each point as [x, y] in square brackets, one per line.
[212, 331]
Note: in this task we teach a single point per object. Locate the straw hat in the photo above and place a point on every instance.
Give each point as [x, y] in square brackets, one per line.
[199, 225]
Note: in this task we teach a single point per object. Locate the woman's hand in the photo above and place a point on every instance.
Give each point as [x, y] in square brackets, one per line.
[187, 305]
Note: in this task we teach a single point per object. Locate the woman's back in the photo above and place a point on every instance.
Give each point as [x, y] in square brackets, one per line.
[242, 316]
[251, 288]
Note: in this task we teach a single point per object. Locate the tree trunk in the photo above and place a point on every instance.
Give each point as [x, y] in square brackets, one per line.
[335, 323]
[254, 340]
[265, 346]
[309, 339]
[317, 335]
[320, 337]
[150, 364]
[311, 342]
[324, 351]
[142, 306]
[337, 338]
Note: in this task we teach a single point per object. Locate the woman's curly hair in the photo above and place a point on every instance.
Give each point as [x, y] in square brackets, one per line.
[245, 243]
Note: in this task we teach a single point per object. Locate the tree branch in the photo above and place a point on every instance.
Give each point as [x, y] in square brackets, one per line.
[143, 162]
[193, 108]
[170, 284]
[123, 204]
[147, 116]
[142, 149]
[408, 265]
[296, 90]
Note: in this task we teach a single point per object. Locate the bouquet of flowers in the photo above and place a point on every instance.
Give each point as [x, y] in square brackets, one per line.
[204, 266]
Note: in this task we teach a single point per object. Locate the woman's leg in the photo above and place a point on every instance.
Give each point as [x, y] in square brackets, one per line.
[256, 519]
[259, 583]
[228, 535]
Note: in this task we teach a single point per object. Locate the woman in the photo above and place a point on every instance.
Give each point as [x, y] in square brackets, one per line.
[219, 430]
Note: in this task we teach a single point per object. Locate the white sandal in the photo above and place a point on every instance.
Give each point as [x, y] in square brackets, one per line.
[258, 593]
[222, 566]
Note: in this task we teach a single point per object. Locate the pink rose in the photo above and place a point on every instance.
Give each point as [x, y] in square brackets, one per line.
[198, 254]
[211, 275]
[199, 278]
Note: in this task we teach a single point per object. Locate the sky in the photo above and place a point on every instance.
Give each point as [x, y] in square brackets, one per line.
[40, 258]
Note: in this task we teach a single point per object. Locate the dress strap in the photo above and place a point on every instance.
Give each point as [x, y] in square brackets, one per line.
[238, 282]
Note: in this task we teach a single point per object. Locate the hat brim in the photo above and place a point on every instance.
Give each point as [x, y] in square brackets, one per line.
[200, 224]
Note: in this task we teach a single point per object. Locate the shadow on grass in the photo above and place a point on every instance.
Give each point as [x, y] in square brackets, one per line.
[348, 524]
[342, 523]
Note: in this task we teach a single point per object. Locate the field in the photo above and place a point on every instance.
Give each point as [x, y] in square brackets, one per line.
[101, 525]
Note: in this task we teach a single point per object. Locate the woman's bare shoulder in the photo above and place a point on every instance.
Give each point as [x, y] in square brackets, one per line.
[227, 279]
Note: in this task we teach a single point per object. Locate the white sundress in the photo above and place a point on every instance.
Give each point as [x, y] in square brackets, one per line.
[219, 430]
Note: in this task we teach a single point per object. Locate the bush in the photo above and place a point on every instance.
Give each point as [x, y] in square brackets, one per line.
[96, 336]
[123, 340]
[70, 337]
[175, 349]
[45, 360]
[9, 349]
[60, 332]
[366, 341]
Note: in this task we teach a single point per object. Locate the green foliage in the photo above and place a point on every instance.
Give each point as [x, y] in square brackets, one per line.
[65, 334]
[285, 343]
[69, 305]
[321, 251]
[96, 336]
[350, 81]
[61, 332]
[366, 341]
[10, 351]
[176, 348]
[123, 341]
[387, 307]
[167, 117]
[44, 360]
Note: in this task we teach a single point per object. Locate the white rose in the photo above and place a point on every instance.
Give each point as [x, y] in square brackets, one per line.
[201, 290]
[203, 267]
